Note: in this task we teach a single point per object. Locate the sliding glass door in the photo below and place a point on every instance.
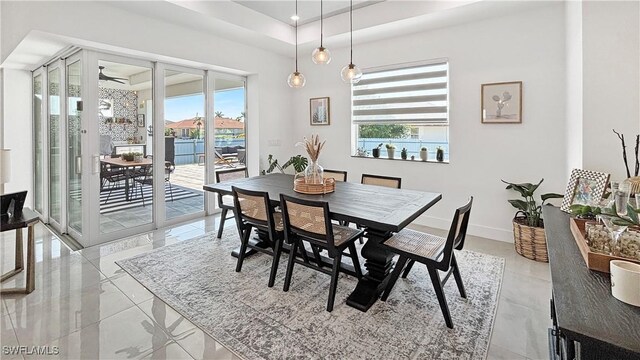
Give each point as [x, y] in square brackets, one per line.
[38, 141]
[54, 112]
[75, 131]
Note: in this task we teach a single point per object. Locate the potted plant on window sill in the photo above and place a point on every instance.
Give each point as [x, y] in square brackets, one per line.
[528, 226]
[391, 150]
[376, 151]
[423, 154]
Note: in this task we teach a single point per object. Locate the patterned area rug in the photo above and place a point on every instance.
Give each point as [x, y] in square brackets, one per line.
[197, 279]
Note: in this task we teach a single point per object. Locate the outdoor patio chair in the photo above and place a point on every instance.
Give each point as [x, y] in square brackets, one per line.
[224, 160]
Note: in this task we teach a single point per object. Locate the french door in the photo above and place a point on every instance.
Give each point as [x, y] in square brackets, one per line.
[91, 108]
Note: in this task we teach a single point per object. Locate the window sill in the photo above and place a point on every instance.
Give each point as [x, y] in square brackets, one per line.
[400, 159]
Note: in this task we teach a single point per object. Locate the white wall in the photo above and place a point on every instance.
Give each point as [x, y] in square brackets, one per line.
[18, 130]
[517, 47]
[611, 83]
[111, 27]
[573, 93]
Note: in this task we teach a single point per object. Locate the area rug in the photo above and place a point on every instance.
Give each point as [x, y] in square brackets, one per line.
[197, 278]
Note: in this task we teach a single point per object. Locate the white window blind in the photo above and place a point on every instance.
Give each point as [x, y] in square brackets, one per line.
[411, 94]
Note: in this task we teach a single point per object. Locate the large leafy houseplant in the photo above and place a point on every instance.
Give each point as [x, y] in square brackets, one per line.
[298, 162]
[529, 207]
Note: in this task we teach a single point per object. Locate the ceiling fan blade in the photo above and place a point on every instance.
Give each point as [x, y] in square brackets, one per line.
[118, 81]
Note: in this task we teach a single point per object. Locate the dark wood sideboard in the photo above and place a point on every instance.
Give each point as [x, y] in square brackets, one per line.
[588, 322]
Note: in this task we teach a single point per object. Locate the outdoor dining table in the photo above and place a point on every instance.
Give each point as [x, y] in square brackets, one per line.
[381, 210]
[128, 166]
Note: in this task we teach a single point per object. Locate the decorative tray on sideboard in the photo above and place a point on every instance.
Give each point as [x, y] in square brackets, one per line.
[594, 260]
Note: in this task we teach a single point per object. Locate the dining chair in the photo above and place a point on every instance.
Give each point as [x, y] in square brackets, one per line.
[145, 177]
[379, 180]
[435, 252]
[254, 210]
[226, 201]
[310, 221]
[337, 175]
[110, 176]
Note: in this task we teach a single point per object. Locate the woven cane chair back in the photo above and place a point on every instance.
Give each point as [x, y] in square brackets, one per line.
[386, 181]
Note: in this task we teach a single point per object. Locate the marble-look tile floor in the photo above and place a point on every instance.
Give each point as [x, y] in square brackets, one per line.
[89, 308]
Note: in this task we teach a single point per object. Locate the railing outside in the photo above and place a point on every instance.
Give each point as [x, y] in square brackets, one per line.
[188, 151]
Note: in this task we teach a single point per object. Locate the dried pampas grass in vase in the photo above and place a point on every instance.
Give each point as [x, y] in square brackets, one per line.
[313, 174]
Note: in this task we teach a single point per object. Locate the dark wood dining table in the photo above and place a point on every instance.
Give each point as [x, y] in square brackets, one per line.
[381, 210]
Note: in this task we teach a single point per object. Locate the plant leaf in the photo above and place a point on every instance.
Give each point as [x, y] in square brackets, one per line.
[519, 204]
[548, 196]
[632, 214]
[532, 188]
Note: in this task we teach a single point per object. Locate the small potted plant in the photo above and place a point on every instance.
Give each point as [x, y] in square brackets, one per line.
[376, 151]
[423, 154]
[137, 157]
[528, 226]
[127, 156]
[403, 153]
[391, 150]
[440, 154]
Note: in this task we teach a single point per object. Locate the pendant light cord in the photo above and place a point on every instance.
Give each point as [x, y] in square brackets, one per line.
[321, 24]
[297, 36]
[351, 27]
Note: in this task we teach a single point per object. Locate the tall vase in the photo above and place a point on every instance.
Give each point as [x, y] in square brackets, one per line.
[313, 173]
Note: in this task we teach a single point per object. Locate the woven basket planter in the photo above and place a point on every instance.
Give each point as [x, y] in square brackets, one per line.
[530, 241]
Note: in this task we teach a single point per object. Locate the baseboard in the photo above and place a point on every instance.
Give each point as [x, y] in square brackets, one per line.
[505, 235]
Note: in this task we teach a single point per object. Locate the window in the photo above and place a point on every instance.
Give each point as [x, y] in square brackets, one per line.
[405, 105]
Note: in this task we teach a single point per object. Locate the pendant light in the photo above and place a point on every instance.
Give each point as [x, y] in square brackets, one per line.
[296, 79]
[351, 74]
[321, 55]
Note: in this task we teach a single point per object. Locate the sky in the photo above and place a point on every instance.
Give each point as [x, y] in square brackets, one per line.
[229, 102]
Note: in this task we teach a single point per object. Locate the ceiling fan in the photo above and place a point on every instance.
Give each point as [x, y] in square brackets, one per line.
[104, 77]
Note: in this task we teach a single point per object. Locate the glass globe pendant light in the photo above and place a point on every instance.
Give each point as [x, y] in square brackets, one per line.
[351, 74]
[296, 79]
[321, 55]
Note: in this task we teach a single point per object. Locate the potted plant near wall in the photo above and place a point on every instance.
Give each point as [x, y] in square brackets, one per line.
[423, 154]
[391, 150]
[528, 226]
[376, 151]
[403, 153]
[440, 154]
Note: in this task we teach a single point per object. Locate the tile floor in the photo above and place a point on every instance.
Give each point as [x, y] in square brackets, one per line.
[89, 308]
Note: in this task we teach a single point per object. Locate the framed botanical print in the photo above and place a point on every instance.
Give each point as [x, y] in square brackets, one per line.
[319, 111]
[585, 187]
[501, 103]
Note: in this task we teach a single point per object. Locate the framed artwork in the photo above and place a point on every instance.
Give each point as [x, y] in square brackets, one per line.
[319, 111]
[141, 120]
[501, 103]
[585, 188]
[105, 107]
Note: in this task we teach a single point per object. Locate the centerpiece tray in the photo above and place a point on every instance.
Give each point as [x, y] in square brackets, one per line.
[594, 260]
[301, 186]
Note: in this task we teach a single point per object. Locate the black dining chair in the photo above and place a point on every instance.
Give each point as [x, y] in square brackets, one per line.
[337, 175]
[435, 252]
[110, 177]
[310, 221]
[379, 180]
[254, 210]
[226, 201]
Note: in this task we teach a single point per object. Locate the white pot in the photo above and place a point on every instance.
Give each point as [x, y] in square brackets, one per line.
[625, 281]
[391, 153]
[423, 155]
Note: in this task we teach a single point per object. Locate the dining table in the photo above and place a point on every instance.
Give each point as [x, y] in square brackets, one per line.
[382, 211]
[129, 167]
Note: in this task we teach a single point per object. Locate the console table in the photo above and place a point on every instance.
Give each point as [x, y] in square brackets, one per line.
[589, 323]
[26, 219]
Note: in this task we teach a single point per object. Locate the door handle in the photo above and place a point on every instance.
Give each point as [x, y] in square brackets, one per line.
[78, 165]
[95, 164]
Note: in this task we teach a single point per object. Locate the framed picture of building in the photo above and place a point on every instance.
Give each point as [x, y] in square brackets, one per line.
[319, 111]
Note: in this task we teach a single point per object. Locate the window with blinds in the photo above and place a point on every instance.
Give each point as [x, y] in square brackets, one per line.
[405, 106]
[415, 94]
